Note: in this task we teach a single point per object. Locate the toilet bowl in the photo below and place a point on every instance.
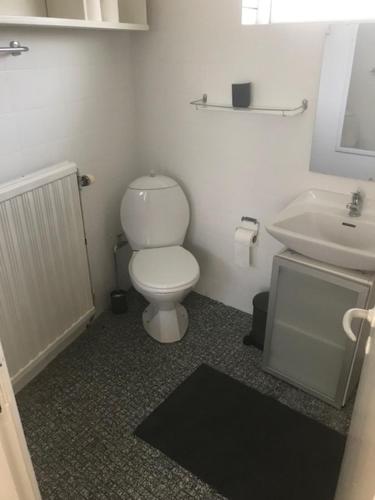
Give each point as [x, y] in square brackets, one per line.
[164, 276]
[155, 217]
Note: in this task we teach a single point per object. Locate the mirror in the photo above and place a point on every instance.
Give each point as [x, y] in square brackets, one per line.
[344, 133]
[358, 128]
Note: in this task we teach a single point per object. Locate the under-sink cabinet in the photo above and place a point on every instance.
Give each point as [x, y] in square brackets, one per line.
[305, 342]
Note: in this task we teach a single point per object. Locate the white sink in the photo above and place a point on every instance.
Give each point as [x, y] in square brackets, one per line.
[317, 225]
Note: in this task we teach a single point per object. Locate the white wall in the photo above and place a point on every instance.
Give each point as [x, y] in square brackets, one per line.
[71, 97]
[230, 165]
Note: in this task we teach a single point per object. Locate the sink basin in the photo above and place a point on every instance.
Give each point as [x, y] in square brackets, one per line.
[317, 225]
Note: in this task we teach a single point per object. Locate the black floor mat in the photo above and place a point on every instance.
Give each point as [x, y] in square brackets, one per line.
[244, 444]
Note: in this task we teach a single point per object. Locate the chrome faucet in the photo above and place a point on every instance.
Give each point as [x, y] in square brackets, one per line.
[355, 206]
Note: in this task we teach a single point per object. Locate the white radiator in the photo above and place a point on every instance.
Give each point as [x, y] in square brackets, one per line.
[45, 290]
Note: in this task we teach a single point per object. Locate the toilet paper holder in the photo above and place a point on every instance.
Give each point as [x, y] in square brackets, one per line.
[253, 221]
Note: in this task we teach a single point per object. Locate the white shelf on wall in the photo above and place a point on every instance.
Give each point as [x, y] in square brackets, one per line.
[51, 22]
[203, 104]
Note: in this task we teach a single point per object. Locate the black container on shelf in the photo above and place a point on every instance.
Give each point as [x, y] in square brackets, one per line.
[241, 95]
[258, 329]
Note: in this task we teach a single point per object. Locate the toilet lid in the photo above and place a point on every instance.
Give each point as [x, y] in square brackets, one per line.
[164, 268]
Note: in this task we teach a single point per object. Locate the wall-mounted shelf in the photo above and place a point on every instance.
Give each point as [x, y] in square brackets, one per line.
[202, 104]
[51, 22]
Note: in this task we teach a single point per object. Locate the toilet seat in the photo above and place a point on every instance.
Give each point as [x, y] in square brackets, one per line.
[165, 269]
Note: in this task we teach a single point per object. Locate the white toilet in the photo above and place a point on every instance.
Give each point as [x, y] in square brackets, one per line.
[155, 215]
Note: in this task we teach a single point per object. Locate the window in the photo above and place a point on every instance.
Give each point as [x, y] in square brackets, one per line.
[249, 11]
[256, 11]
[289, 11]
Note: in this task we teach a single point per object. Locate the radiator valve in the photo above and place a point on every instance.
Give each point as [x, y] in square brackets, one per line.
[85, 180]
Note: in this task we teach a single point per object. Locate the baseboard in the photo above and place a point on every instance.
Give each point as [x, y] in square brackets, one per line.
[36, 365]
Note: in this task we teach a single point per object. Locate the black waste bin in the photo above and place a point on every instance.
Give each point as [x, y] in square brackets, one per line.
[258, 329]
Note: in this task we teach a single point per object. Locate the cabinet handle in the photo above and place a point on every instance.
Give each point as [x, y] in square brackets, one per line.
[368, 315]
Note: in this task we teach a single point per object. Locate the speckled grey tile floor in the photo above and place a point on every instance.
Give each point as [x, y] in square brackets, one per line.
[79, 414]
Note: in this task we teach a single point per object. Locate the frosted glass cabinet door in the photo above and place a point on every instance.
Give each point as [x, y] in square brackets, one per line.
[305, 341]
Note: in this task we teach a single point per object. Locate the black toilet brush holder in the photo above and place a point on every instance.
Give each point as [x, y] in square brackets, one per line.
[118, 302]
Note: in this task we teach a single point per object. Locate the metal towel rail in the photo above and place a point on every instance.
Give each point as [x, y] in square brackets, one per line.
[14, 49]
[203, 104]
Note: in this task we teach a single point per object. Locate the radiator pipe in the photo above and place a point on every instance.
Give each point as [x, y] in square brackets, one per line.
[121, 242]
[118, 296]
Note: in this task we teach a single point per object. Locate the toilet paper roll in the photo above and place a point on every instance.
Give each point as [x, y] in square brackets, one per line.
[243, 242]
[245, 236]
[249, 225]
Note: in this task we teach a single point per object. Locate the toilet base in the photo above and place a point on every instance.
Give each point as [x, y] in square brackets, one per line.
[165, 326]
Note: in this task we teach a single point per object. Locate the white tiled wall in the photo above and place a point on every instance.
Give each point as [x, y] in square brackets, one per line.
[229, 164]
[71, 97]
